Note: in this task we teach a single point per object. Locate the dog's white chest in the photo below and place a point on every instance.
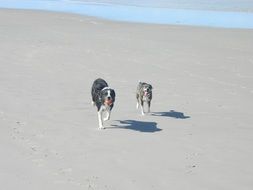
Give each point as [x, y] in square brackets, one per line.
[145, 98]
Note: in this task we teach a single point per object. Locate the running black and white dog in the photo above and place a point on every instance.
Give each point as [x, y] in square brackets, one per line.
[103, 97]
[144, 94]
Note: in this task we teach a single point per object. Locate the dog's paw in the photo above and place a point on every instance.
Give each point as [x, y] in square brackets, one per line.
[101, 127]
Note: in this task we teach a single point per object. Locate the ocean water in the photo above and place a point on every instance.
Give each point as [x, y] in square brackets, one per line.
[210, 13]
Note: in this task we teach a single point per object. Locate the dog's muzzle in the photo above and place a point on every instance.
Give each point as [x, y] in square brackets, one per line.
[108, 101]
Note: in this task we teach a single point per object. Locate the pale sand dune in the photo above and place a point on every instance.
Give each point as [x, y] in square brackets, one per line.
[48, 128]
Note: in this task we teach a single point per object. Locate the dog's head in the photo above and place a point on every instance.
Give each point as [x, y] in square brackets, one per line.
[107, 96]
[147, 89]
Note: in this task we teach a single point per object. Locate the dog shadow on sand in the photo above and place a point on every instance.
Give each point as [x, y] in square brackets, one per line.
[141, 126]
[171, 113]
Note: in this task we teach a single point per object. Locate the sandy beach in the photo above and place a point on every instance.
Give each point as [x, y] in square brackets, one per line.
[198, 136]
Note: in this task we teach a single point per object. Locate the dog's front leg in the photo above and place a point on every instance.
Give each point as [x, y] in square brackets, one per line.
[137, 104]
[149, 104]
[142, 109]
[100, 121]
[108, 115]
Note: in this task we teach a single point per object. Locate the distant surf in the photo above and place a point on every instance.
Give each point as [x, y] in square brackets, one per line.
[236, 14]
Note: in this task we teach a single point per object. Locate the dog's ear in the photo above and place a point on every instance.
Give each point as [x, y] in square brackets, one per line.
[151, 87]
[113, 92]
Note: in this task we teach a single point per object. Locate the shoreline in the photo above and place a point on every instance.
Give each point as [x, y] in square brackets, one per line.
[166, 16]
[125, 21]
[198, 134]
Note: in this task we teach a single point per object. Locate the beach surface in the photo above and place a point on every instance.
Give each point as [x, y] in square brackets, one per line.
[198, 136]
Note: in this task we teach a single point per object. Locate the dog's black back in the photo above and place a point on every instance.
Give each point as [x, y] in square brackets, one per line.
[96, 88]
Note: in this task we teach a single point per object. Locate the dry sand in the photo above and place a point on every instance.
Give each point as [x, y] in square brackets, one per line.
[199, 136]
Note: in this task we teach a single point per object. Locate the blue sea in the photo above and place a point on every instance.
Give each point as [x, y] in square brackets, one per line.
[210, 13]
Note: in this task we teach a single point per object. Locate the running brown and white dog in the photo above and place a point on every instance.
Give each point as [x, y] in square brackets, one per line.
[144, 94]
[103, 97]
